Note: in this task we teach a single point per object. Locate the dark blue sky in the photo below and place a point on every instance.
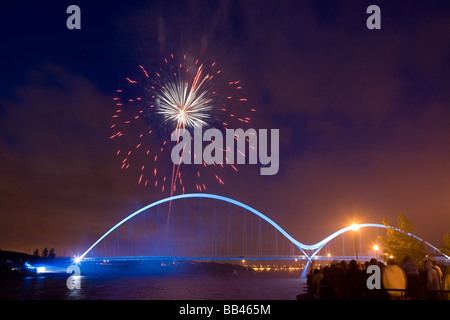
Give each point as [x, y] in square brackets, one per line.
[363, 114]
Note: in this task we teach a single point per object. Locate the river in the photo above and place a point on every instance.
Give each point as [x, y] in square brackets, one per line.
[160, 287]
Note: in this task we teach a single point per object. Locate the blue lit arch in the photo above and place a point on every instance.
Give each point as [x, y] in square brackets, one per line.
[300, 245]
[314, 247]
[319, 245]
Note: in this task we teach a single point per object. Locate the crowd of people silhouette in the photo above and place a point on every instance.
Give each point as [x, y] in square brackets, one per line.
[426, 280]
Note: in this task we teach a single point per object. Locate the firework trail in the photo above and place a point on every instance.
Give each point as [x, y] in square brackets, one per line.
[184, 94]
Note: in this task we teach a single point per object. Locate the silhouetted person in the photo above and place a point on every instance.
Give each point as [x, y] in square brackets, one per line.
[446, 283]
[439, 272]
[326, 292]
[337, 280]
[355, 281]
[393, 277]
[317, 279]
[374, 294]
[432, 284]
[412, 277]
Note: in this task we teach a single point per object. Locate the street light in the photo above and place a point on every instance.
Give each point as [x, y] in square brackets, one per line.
[376, 248]
[355, 228]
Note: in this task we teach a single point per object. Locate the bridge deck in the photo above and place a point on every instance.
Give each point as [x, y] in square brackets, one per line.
[225, 258]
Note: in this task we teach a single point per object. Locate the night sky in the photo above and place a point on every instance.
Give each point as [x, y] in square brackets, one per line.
[364, 115]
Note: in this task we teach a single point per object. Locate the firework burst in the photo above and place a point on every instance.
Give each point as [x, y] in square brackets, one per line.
[184, 94]
[186, 104]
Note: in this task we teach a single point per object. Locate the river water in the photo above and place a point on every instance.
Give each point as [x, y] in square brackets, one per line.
[161, 287]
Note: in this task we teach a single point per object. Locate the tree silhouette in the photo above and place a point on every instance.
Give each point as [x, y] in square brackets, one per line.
[45, 253]
[446, 243]
[400, 242]
[52, 254]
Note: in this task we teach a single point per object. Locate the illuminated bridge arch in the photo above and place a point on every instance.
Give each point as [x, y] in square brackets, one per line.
[298, 244]
[315, 248]
[319, 245]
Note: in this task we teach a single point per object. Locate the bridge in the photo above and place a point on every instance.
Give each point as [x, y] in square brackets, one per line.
[214, 227]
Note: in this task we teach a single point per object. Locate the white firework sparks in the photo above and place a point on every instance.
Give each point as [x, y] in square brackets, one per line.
[186, 103]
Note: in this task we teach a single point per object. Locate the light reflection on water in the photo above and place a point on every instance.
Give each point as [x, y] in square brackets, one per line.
[171, 287]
